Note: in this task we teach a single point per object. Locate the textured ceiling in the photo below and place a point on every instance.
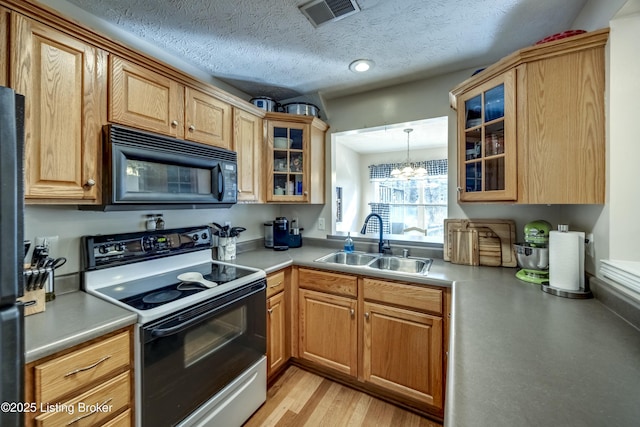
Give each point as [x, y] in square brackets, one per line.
[267, 47]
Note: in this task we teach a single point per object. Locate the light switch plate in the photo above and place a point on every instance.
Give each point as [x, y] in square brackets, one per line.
[320, 223]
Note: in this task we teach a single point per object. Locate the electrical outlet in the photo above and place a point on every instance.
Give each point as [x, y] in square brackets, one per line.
[591, 250]
[320, 223]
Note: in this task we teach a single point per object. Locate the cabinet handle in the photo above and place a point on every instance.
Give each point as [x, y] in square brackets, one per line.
[459, 189]
[366, 315]
[276, 285]
[88, 414]
[192, 128]
[90, 182]
[353, 312]
[174, 123]
[270, 310]
[86, 368]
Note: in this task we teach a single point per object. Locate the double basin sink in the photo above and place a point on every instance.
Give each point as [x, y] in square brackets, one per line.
[410, 265]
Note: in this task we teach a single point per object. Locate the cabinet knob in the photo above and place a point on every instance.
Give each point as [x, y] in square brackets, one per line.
[270, 310]
[90, 182]
[366, 315]
[459, 189]
[174, 123]
[306, 193]
[192, 128]
[353, 312]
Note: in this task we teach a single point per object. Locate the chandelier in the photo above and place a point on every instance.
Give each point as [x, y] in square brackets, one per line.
[406, 170]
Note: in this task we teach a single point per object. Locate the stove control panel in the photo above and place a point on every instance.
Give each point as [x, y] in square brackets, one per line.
[116, 249]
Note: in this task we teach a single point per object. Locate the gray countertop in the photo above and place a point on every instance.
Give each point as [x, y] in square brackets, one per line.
[518, 356]
[69, 320]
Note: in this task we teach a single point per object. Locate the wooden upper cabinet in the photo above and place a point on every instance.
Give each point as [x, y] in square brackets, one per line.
[144, 99]
[543, 108]
[563, 156]
[64, 83]
[248, 138]
[294, 158]
[5, 19]
[208, 120]
[487, 141]
[141, 98]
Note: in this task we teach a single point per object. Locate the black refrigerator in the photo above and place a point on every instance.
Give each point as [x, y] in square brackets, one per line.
[11, 256]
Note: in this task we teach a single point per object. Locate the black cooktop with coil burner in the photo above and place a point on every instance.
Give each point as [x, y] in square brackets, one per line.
[154, 291]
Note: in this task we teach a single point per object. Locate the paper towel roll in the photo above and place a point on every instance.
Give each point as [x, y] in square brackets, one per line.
[566, 260]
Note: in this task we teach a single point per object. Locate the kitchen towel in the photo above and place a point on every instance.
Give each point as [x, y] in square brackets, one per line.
[566, 260]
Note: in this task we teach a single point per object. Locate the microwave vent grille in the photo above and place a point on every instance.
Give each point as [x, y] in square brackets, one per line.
[135, 138]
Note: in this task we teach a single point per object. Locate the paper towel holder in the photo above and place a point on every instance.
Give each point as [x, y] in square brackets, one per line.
[580, 293]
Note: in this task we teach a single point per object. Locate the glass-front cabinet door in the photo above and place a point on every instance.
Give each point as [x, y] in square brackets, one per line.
[487, 141]
[287, 176]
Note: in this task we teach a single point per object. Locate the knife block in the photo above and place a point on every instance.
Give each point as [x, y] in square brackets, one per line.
[34, 301]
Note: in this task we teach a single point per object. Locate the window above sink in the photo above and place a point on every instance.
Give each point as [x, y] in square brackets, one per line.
[412, 210]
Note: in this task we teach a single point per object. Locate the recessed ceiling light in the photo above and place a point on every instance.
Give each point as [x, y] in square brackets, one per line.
[361, 65]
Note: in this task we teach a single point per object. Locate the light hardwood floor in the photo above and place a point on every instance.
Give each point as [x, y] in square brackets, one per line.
[300, 398]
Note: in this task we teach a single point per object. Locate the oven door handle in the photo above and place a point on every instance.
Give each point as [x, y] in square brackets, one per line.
[159, 332]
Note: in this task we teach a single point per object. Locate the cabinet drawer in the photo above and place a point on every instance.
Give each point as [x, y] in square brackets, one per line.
[275, 283]
[73, 371]
[122, 420]
[416, 297]
[92, 407]
[340, 284]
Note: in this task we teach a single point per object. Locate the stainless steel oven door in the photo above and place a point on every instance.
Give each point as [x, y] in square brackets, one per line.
[190, 356]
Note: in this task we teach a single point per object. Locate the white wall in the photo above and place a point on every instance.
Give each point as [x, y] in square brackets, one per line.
[624, 197]
[70, 224]
[347, 175]
[596, 14]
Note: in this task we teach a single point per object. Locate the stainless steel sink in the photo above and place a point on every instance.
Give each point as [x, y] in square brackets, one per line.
[353, 258]
[410, 265]
[402, 265]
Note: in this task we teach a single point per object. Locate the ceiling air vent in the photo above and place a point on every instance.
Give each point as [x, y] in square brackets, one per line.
[320, 12]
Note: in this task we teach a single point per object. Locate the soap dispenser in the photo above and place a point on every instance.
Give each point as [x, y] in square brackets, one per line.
[348, 244]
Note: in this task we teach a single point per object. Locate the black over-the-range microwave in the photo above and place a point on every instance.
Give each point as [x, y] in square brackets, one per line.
[143, 170]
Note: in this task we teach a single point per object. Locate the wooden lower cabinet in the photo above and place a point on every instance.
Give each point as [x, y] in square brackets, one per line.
[90, 384]
[402, 352]
[328, 330]
[277, 354]
[277, 321]
[385, 337]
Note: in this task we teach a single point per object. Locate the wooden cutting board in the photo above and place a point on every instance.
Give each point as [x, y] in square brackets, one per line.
[503, 229]
[464, 246]
[489, 247]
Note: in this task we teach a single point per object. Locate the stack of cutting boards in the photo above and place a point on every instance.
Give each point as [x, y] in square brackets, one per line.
[480, 242]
